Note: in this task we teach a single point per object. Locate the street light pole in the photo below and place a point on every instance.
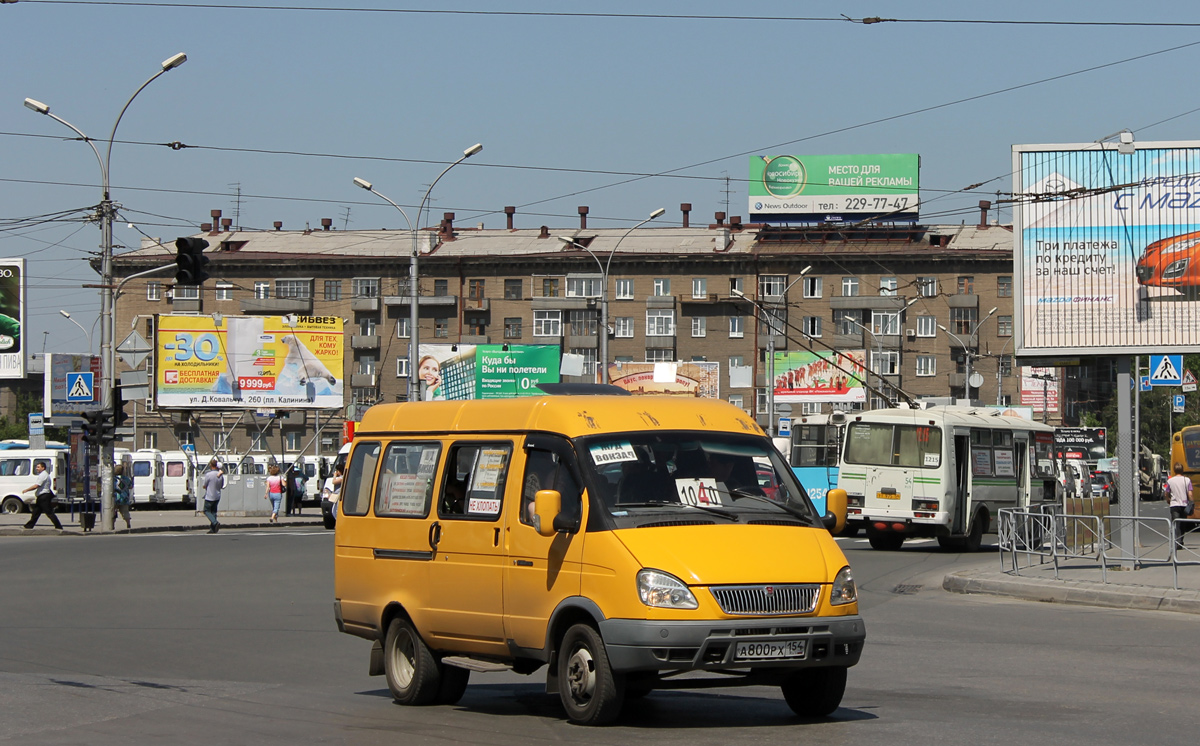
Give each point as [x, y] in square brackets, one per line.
[106, 211]
[604, 269]
[86, 333]
[967, 354]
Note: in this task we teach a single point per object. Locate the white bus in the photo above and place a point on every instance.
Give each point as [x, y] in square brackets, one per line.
[943, 472]
[16, 473]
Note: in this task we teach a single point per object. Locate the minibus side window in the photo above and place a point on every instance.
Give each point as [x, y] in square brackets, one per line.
[14, 467]
[545, 471]
[356, 488]
[405, 483]
[45, 462]
[474, 479]
[174, 468]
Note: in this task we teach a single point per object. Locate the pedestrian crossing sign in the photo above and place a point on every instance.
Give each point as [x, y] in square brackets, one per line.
[79, 387]
[1166, 370]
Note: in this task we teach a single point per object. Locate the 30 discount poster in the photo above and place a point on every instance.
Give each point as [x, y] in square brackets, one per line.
[250, 361]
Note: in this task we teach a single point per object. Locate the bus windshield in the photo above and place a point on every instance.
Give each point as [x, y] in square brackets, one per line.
[707, 476]
[885, 444]
[1191, 449]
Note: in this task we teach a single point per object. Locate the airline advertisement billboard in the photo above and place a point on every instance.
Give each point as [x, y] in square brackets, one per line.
[464, 371]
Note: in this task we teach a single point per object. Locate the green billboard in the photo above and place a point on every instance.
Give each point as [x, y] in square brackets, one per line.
[828, 187]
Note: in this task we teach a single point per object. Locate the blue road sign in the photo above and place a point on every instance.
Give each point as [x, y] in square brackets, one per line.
[79, 387]
[1145, 384]
[1178, 403]
[1166, 370]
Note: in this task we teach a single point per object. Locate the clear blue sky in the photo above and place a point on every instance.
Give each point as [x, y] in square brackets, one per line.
[553, 99]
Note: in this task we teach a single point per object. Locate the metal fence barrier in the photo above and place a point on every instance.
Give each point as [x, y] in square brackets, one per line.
[1043, 534]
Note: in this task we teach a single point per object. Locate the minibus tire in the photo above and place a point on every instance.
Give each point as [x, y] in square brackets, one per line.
[453, 685]
[591, 693]
[815, 692]
[885, 541]
[12, 505]
[413, 674]
[974, 540]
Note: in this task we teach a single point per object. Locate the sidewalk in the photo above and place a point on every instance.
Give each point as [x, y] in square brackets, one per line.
[150, 520]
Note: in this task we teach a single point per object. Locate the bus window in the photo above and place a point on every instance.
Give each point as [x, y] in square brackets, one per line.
[14, 467]
[1191, 449]
[918, 445]
[141, 468]
[869, 443]
[883, 444]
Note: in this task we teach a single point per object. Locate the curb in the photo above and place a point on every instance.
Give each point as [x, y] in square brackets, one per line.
[1076, 592]
[39, 531]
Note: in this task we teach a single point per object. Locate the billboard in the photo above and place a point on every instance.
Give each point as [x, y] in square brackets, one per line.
[451, 372]
[249, 362]
[689, 379]
[833, 188]
[1039, 389]
[820, 376]
[1107, 248]
[12, 318]
[1087, 443]
[72, 384]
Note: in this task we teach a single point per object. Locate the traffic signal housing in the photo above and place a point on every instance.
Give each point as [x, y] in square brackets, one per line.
[97, 427]
[119, 417]
[190, 262]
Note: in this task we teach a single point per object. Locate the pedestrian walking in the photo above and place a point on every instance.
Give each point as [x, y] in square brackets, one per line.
[43, 496]
[275, 489]
[122, 493]
[1179, 488]
[213, 482]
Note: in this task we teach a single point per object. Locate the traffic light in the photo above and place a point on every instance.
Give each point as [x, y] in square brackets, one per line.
[97, 427]
[190, 262]
[119, 415]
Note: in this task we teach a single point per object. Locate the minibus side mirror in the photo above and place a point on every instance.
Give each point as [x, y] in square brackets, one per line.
[835, 511]
[547, 504]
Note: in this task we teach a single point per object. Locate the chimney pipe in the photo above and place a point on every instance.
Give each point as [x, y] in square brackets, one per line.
[225, 223]
[583, 212]
[735, 222]
[206, 227]
[278, 225]
[216, 216]
[447, 227]
[510, 211]
[984, 206]
[545, 232]
[685, 208]
[720, 216]
[326, 223]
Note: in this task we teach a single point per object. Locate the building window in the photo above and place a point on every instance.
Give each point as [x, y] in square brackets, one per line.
[1006, 366]
[700, 287]
[441, 327]
[966, 286]
[624, 289]
[771, 286]
[187, 292]
[584, 287]
[660, 322]
[1004, 286]
[737, 327]
[224, 291]
[475, 289]
[589, 359]
[847, 322]
[258, 442]
[849, 287]
[366, 326]
[735, 285]
[220, 442]
[811, 325]
[1004, 326]
[441, 288]
[581, 323]
[403, 327]
[885, 363]
[153, 291]
[365, 287]
[888, 285]
[549, 287]
[623, 326]
[927, 287]
[401, 367]
[699, 358]
[812, 287]
[476, 324]
[293, 289]
[926, 365]
[292, 440]
[738, 401]
[547, 323]
[760, 401]
[699, 326]
[262, 290]
[885, 322]
[963, 319]
[512, 327]
[150, 439]
[513, 290]
[737, 361]
[662, 286]
[333, 290]
[366, 365]
[658, 355]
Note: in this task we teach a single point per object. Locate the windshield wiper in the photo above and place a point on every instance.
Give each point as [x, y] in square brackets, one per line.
[706, 508]
[739, 492]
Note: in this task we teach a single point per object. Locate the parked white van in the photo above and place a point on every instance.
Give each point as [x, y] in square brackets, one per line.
[146, 468]
[179, 477]
[16, 473]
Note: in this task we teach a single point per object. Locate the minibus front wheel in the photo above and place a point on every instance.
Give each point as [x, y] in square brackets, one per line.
[591, 693]
[815, 692]
[413, 674]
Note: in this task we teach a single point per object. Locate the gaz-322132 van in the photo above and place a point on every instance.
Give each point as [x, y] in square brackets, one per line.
[617, 541]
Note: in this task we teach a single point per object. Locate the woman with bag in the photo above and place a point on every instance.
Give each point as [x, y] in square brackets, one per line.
[275, 488]
[122, 493]
[1179, 488]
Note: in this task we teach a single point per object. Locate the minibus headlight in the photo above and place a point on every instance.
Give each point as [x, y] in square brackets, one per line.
[663, 590]
[843, 591]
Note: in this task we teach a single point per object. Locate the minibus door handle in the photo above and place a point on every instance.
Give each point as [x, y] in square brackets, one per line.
[435, 535]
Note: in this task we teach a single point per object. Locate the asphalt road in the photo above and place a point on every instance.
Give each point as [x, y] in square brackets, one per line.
[199, 639]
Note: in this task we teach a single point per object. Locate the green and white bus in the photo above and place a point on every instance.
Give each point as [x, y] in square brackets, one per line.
[942, 471]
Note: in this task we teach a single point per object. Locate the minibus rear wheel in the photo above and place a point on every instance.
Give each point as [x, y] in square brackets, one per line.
[591, 693]
[12, 505]
[815, 692]
[413, 674]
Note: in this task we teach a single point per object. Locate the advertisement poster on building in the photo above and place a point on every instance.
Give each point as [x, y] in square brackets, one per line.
[456, 372]
[12, 318]
[1039, 389]
[691, 379]
[834, 187]
[1107, 247]
[825, 376]
[254, 362]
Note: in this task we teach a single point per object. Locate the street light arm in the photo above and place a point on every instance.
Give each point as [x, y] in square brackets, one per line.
[41, 108]
[608, 263]
[167, 65]
[385, 198]
[466, 154]
[576, 244]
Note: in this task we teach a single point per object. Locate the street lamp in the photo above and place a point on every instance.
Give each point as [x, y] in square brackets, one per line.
[414, 390]
[86, 333]
[106, 210]
[604, 269]
[967, 354]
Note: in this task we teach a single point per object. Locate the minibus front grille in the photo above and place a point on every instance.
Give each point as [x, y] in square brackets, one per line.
[744, 600]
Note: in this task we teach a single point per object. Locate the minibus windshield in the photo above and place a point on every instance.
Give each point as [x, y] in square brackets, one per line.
[700, 477]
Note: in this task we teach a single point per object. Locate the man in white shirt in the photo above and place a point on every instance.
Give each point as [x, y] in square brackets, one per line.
[1179, 488]
[43, 496]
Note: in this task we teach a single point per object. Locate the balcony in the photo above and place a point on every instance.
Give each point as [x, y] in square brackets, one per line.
[660, 342]
[962, 341]
[477, 304]
[364, 304]
[562, 303]
[277, 306]
[582, 340]
[660, 301]
[363, 380]
[438, 301]
[186, 304]
[474, 339]
[963, 301]
[764, 341]
[706, 299]
[869, 302]
[364, 342]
